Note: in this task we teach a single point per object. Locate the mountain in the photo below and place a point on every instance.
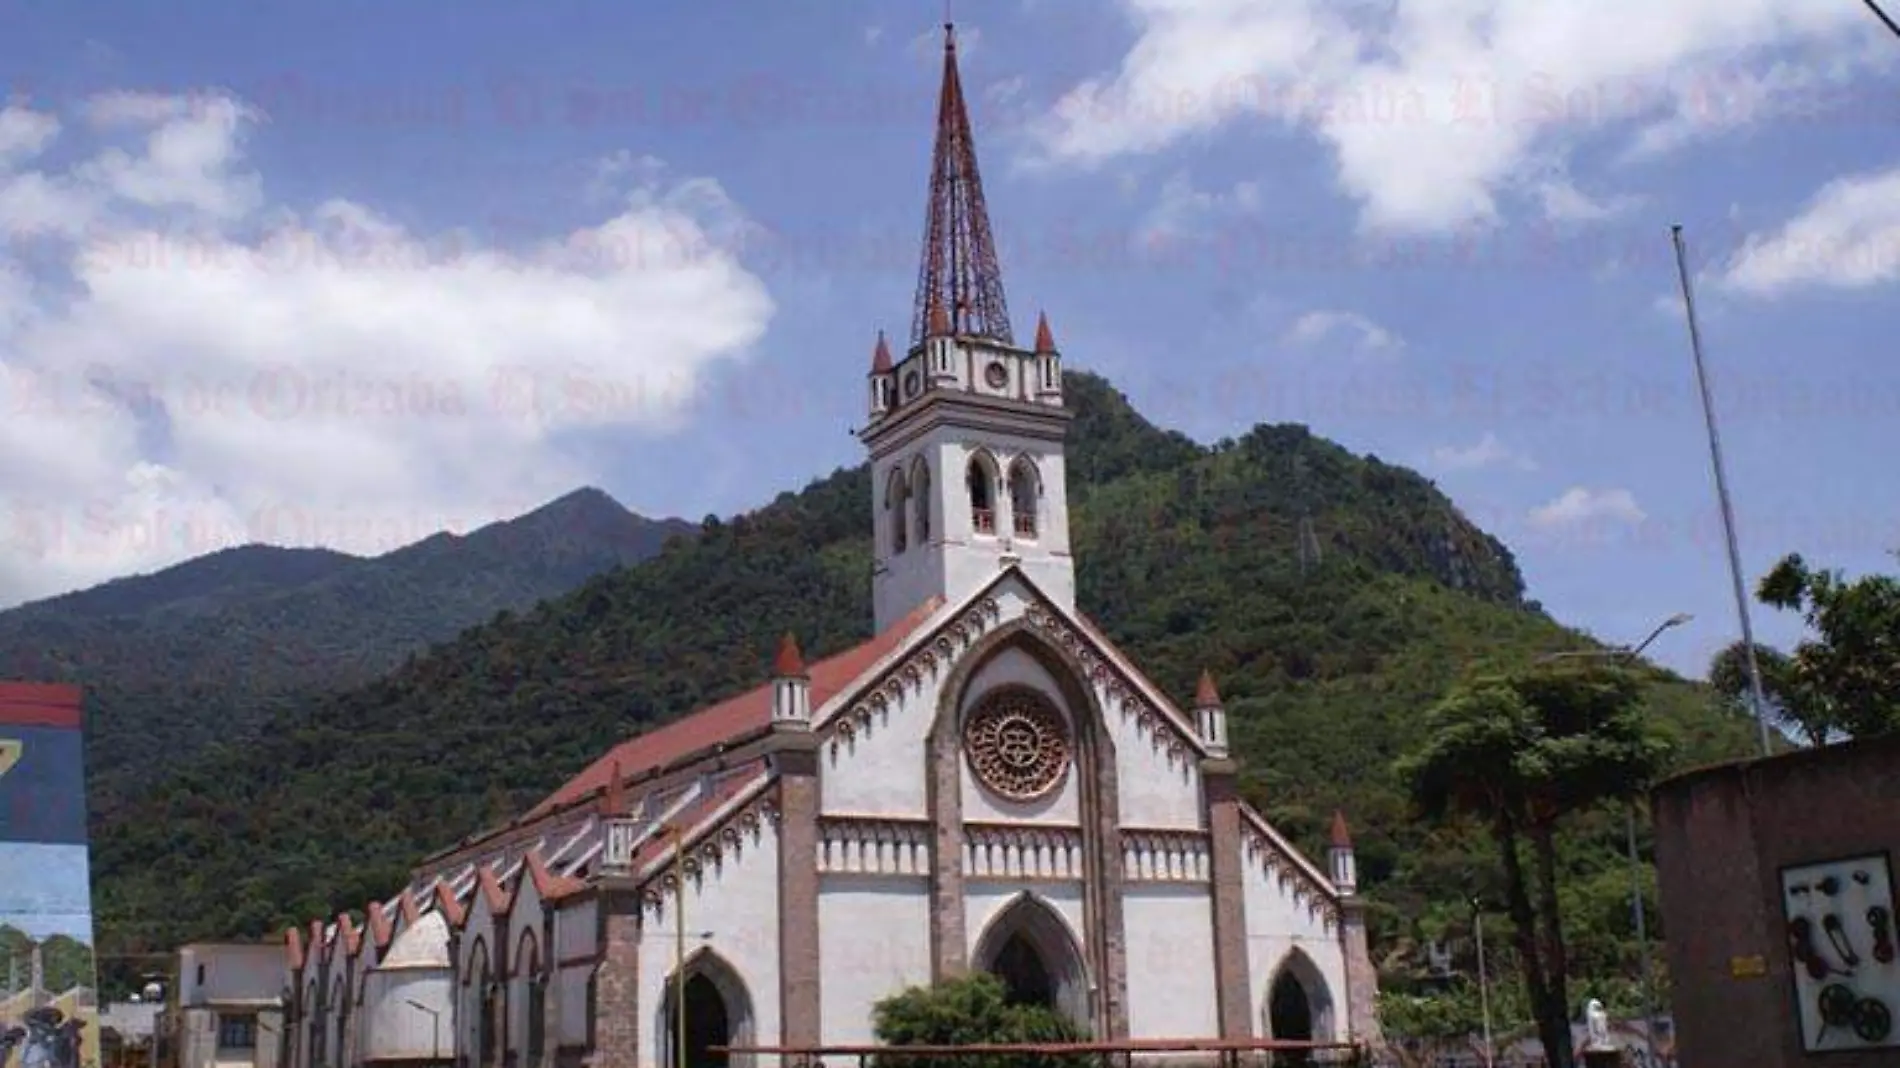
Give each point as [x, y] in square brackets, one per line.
[1188, 556]
[204, 651]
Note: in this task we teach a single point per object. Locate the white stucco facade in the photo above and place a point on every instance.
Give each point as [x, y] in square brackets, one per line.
[986, 785]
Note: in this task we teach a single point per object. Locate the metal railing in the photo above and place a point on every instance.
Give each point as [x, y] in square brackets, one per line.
[1226, 1053]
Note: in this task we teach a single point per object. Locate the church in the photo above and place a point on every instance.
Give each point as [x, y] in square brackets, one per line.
[985, 784]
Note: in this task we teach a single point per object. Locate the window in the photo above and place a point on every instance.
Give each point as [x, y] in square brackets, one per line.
[982, 496]
[1023, 491]
[201, 975]
[237, 1032]
[895, 494]
[920, 494]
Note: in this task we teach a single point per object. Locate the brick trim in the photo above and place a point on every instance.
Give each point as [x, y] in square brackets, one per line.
[615, 1019]
[800, 991]
[1220, 784]
[1104, 945]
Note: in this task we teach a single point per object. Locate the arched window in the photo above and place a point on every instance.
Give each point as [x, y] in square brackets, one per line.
[896, 493]
[920, 498]
[982, 482]
[1024, 490]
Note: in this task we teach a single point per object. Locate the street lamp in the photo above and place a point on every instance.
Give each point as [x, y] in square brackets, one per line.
[435, 1022]
[1624, 655]
[1484, 982]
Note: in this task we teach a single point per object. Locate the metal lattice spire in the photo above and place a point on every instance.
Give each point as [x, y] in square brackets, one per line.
[959, 285]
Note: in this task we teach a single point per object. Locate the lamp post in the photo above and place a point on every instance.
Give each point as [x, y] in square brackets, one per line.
[1484, 981]
[435, 1023]
[1638, 914]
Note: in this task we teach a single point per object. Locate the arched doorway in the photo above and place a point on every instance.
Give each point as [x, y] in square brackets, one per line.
[1299, 1007]
[718, 1013]
[1029, 947]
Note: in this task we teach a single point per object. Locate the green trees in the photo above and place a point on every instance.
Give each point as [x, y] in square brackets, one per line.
[1843, 681]
[973, 1010]
[1517, 754]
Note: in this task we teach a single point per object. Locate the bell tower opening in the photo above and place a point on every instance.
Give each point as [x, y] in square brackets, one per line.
[967, 403]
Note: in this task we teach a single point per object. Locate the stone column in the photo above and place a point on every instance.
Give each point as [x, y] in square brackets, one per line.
[1362, 980]
[796, 751]
[616, 1037]
[1220, 783]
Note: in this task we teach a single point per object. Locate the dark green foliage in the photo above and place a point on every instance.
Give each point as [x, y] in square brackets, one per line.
[1187, 558]
[1842, 682]
[66, 962]
[200, 653]
[1518, 755]
[969, 1011]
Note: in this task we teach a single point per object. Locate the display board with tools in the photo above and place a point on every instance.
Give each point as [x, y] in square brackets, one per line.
[1840, 922]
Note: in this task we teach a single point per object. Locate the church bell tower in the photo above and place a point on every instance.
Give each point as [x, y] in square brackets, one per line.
[966, 429]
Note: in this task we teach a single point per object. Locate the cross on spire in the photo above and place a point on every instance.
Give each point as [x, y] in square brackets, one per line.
[959, 284]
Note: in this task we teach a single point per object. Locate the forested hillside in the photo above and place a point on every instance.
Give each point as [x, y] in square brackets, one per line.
[199, 653]
[1188, 556]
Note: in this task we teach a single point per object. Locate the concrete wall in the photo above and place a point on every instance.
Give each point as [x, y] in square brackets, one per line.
[1730, 842]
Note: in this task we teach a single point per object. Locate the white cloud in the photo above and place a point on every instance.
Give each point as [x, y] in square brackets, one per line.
[1488, 452]
[184, 365]
[1847, 237]
[1181, 210]
[1316, 326]
[1434, 108]
[1581, 507]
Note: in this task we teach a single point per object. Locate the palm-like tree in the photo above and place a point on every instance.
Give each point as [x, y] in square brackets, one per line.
[1518, 753]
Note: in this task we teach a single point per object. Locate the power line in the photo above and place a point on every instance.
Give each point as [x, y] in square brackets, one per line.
[1891, 25]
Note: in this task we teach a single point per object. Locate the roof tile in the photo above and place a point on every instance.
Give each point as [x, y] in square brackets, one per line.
[731, 718]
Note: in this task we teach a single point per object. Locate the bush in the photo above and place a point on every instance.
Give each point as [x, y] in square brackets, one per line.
[971, 1011]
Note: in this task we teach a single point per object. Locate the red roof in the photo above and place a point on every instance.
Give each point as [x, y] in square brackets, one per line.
[881, 357]
[732, 718]
[696, 813]
[39, 704]
[1342, 835]
[1045, 338]
[790, 663]
[1206, 695]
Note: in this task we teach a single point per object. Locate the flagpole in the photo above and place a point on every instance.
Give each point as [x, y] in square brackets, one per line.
[1755, 692]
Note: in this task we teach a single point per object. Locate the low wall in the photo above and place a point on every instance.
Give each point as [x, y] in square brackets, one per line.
[1750, 855]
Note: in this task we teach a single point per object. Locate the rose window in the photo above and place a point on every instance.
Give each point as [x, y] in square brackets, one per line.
[1017, 744]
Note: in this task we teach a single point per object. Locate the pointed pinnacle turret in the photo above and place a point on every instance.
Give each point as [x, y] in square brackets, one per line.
[959, 283]
[1045, 337]
[881, 357]
[790, 663]
[1205, 694]
[613, 797]
[1341, 834]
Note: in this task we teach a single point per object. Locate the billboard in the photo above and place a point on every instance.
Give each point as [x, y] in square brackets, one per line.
[49, 1016]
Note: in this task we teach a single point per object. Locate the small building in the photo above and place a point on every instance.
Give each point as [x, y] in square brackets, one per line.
[227, 1004]
[1777, 895]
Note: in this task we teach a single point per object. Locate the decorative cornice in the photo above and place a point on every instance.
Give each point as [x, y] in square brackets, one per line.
[1290, 875]
[1161, 855]
[1119, 689]
[876, 701]
[1021, 851]
[861, 845]
[727, 840]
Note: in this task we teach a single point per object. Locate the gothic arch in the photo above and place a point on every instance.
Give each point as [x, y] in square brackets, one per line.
[527, 953]
[982, 479]
[1025, 496]
[896, 497]
[920, 498]
[1096, 779]
[1029, 946]
[1299, 1004]
[478, 1005]
[724, 1015]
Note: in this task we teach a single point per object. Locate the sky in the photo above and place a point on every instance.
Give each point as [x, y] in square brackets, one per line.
[349, 274]
[46, 891]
